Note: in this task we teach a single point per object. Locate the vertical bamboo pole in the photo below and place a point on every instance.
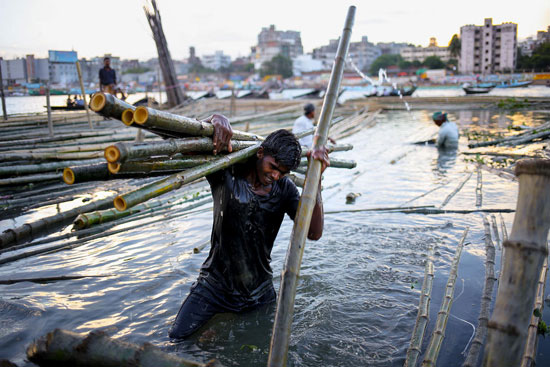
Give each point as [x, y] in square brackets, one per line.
[49, 109]
[525, 252]
[289, 280]
[79, 71]
[160, 90]
[2, 93]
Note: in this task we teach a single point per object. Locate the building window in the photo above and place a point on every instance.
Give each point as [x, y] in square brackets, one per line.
[486, 42]
[486, 60]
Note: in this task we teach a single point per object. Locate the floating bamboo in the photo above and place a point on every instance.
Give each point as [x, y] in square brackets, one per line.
[486, 298]
[438, 334]
[423, 313]
[62, 347]
[285, 305]
[177, 180]
[122, 152]
[529, 354]
[455, 191]
[180, 125]
[524, 251]
[33, 229]
[108, 105]
[495, 230]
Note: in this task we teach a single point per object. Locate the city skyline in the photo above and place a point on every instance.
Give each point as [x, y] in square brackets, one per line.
[212, 26]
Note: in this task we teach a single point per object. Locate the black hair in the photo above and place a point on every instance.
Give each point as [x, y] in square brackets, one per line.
[309, 108]
[284, 147]
[106, 58]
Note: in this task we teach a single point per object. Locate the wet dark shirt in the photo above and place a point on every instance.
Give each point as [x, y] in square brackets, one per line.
[107, 76]
[244, 230]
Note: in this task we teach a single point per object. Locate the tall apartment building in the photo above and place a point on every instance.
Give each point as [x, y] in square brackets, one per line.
[272, 42]
[421, 53]
[363, 53]
[14, 71]
[63, 67]
[488, 48]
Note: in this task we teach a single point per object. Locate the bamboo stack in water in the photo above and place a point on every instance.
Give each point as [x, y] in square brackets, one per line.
[525, 251]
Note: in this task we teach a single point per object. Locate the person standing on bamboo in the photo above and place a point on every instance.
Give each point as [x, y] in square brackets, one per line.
[107, 77]
[305, 122]
[250, 201]
[448, 131]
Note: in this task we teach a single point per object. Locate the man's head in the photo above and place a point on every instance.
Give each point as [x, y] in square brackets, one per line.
[309, 110]
[279, 153]
[107, 62]
[439, 118]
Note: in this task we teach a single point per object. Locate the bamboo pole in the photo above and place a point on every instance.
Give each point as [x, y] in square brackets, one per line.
[175, 181]
[62, 347]
[49, 109]
[495, 230]
[30, 178]
[438, 334]
[455, 191]
[108, 105]
[122, 152]
[49, 279]
[334, 163]
[200, 247]
[46, 156]
[2, 96]
[34, 141]
[29, 230]
[101, 172]
[486, 298]
[529, 355]
[479, 188]
[423, 209]
[503, 229]
[164, 165]
[165, 121]
[285, 305]
[525, 251]
[79, 71]
[423, 313]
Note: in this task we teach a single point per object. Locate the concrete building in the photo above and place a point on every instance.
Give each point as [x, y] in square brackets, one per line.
[421, 53]
[14, 71]
[272, 42]
[216, 61]
[62, 67]
[530, 43]
[392, 48]
[306, 64]
[363, 53]
[488, 48]
[543, 36]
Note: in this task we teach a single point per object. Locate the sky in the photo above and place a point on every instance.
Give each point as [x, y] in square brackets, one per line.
[119, 27]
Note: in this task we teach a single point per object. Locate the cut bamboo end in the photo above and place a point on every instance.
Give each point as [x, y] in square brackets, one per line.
[68, 176]
[120, 203]
[127, 117]
[79, 223]
[98, 102]
[141, 115]
[112, 154]
[113, 167]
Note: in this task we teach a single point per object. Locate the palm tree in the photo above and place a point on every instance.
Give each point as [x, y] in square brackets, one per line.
[454, 46]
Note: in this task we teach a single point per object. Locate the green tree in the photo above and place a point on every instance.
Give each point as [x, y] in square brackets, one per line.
[454, 46]
[539, 60]
[433, 62]
[384, 61]
[278, 65]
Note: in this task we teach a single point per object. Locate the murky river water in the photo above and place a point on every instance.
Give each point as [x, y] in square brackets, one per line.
[359, 286]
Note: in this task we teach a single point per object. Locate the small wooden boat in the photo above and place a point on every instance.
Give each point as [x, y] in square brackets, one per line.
[514, 84]
[475, 89]
[66, 108]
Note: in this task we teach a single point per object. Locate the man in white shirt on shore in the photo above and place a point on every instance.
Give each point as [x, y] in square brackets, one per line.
[448, 131]
[305, 122]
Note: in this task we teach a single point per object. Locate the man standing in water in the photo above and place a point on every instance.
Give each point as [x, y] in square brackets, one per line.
[250, 201]
[305, 122]
[448, 131]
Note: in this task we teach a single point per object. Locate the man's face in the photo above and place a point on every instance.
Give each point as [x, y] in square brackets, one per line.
[439, 121]
[107, 62]
[269, 170]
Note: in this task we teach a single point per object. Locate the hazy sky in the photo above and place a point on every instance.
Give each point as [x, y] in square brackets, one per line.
[119, 27]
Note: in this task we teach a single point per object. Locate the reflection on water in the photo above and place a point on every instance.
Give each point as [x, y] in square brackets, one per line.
[359, 285]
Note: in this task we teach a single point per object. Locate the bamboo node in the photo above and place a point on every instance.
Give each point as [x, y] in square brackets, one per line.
[98, 102]
[141, 115]
[507, 329]
[127, 117]
[526, 246]
[120, 203]
[539, 167]
[68, 176]
[112, 154]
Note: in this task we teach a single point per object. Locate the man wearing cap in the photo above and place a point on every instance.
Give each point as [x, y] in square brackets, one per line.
[448, 131]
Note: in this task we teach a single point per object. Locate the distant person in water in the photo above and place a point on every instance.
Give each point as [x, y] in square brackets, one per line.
[250, 202]
[448, 131]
